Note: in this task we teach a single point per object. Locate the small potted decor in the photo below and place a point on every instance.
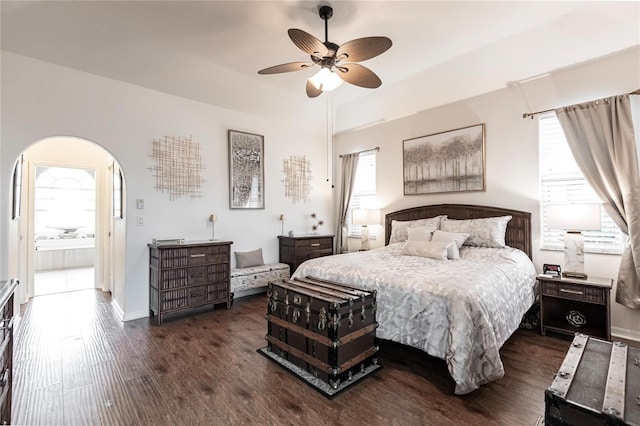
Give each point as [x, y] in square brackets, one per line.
[314, 228]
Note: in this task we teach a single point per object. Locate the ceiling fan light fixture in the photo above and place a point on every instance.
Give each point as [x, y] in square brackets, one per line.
[332, 57]
[326, 80]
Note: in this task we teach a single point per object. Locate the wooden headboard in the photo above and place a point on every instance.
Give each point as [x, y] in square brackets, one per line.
[518, 229]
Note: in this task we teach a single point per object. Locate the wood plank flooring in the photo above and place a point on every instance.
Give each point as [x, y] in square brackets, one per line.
[75, 363]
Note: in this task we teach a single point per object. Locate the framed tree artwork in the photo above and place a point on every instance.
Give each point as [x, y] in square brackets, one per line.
[451, 161]
[246, 170]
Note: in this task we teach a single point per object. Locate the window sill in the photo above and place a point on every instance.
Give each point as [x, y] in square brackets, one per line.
[615, 253]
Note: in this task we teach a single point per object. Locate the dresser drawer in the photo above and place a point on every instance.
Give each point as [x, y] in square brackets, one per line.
[314, 244]
[574, 291]
[207, 294]
[207, 254]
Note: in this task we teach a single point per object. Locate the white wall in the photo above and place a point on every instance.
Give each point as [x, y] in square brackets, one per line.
[512, 174]
[40, 100]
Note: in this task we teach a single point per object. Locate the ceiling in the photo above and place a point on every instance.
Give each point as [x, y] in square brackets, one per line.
[210, 51]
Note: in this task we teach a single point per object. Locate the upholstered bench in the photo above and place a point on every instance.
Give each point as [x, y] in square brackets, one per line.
[254, 279]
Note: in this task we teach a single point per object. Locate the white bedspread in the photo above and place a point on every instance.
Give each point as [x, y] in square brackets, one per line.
[459, 310]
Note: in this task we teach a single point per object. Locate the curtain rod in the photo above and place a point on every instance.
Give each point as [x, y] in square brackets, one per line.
[377, 148]
[532, 114]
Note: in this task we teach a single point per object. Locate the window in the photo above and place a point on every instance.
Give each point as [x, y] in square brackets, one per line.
[65, 207]
[364, 189]
[563, 182]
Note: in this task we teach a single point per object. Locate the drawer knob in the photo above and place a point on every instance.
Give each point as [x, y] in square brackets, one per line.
[198, 255]
[315, 245]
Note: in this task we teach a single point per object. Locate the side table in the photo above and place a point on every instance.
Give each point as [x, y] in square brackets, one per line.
[565, 303]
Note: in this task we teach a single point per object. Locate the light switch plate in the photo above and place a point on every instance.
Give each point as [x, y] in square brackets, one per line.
[140, 204]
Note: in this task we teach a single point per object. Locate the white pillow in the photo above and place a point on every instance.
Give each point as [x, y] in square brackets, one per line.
[456, 240]
[399, 228]
[420, 233]
[428, 249]
[486, 232]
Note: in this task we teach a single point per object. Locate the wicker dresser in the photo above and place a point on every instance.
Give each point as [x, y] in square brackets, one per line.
[7, 290]
[188, 278]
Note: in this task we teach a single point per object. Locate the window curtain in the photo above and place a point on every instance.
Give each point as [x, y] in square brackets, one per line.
[349, 168]
[601, 137]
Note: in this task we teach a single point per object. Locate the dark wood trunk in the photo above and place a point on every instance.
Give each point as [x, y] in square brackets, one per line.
[323, 327]
[597, 384]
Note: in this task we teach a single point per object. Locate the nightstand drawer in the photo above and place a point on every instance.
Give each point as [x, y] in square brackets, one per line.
[314, 244]
[574, 291]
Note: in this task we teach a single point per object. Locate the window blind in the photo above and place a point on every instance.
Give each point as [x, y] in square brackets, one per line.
[562, 182]
[364, 190]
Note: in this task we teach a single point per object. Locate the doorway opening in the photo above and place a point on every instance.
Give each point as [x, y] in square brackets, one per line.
[72, 230]
[64, 229]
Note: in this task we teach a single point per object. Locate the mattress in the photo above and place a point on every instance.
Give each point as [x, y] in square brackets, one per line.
[461, 311]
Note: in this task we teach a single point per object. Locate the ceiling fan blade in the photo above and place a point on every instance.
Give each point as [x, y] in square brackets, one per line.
[308, 43]
[291, 66]
[312, 92]
[358, 75]
[362, 49]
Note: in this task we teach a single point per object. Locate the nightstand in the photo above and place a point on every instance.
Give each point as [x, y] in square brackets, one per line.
[295, 250]
[580, 299]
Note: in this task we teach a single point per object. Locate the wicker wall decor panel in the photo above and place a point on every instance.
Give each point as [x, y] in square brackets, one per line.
[178, 168]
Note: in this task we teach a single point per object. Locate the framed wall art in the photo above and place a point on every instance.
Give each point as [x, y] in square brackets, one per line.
[246, 170]
[451, 161]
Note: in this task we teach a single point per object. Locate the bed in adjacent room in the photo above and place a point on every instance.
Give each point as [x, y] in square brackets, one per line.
[458, 303]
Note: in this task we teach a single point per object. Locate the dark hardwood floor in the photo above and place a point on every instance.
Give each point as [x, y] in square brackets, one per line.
[75, 363]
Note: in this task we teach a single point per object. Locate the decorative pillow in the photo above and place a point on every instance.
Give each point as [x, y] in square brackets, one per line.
[487, 232]
[245, 259]
[420, 233]
[456, 240]
[399, 228]
[429, 249]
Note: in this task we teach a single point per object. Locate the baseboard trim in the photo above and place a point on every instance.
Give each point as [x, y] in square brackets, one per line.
[624, 333]
[117, 309]
[127, 317]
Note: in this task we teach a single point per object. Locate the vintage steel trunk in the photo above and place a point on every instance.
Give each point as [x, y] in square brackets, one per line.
[598, 384]
[323, 327]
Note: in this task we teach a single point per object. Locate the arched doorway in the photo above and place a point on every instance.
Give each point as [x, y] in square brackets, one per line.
[64, 226]
[70, 217]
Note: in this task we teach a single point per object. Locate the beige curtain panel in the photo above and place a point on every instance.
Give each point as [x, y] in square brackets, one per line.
[349, 168]
[601, 137]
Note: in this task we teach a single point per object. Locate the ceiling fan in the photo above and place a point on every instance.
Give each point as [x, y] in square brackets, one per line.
[337, 63]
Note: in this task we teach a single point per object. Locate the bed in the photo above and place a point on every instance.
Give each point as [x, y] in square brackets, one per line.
[461, 310]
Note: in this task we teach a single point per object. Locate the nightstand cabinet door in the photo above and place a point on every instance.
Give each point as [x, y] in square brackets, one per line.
[295, 250]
